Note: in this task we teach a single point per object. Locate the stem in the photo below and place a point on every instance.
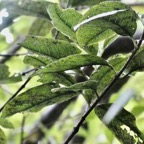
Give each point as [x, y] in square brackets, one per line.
[76, 129]
[29, 71]
[11, 55]
[56, 35]
[22, 87]
[12, 50]
[22, 129]
[68, 3]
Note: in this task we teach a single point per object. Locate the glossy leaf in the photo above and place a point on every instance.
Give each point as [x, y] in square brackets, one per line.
[6, 123]
[122, 22]
[2, 137]
[49, 47]
[90, 84]
[123, 125]
[72, 62]
[36, 98]
[64, 20]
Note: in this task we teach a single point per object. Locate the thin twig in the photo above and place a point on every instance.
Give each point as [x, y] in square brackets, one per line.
[22, 87]
[22, 129]
[56, 35]
[76, 129]
[29, 71]
[141, 4]
[11, 55]
[68, 3]
[12, 49]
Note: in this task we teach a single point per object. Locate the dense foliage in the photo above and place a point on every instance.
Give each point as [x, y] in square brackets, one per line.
[71, 49]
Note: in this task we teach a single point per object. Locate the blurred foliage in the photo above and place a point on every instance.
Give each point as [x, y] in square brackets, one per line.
[46, 22]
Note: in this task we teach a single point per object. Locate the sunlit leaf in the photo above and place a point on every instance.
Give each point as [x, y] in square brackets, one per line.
[49, 47]
[72, 62]
[123, 125]
[64, 20]
[123, 22]
[2, 137]
[36, 98]
[6, 123]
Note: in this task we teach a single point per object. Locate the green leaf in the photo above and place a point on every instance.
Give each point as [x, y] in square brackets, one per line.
[2, 137]
[138, 110]
[123, 125]
[123, 22]
[85, 2]
[72, 62]
[104, 75]
[93, 49]
[49, 47]
[4, 72]
[137, 62]
[36, 98]
[90, 84]
[59, 35]
[61, 78]
[64, 20]
[89, 95]
[40, 27]
[4, 75]
[13, 79]
[37, 61]
[6, 123]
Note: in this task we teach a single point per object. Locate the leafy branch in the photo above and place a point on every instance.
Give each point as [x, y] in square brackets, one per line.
[68, 59]
[76, 129]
